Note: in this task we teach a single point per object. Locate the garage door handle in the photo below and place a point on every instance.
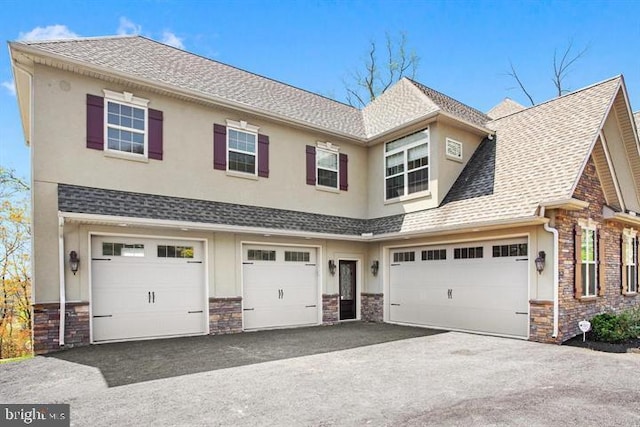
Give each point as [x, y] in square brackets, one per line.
[395, 304]
[153, 297]
[522, 259]
[248, 309]
[100, 259]
[103, 315]
[194, 262]
[192, 312]
[149, 295]
[521, 312]
[309, 306]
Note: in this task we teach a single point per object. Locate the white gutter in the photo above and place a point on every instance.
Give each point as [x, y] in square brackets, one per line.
[556, 267]
[61, 278]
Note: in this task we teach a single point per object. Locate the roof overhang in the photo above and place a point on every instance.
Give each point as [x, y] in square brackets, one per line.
[132, 222]
[629, 218]
[566, 204]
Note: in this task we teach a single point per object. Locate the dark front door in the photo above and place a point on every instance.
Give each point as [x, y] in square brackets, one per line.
[347, 290]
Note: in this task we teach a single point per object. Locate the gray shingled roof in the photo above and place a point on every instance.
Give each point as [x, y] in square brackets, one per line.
[147, 59]
[97, 201]
[151, 61]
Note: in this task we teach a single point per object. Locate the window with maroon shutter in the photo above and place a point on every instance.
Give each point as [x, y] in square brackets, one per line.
[95, 122]
[155, 134]
[219, 147]
[344, 172]
[263, 155]
[311, 165]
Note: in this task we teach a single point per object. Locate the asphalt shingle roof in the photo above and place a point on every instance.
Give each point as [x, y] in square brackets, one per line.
[507, 107]
[152, 61]
[144, 58]
[98, 201]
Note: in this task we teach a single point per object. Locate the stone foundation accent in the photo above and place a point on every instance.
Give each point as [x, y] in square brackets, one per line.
[372, 307]
[330, 309]
[541, 321]
[46, 326]
[225, 315]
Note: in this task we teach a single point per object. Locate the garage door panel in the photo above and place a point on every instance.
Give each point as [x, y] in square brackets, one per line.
[481, 294]
[278, 292]
[146, 295]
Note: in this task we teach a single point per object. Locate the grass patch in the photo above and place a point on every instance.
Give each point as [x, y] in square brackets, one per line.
[16, 359]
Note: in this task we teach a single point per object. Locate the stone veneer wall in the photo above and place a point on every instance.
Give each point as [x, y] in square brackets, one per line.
[372, 307]
[572, 308]
[46, 326]
[541, 321]
[225, 315]
[330, 309]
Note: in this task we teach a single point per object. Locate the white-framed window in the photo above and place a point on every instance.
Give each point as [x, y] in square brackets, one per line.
[589, 261]
[407, 165]
[453, 149]
[126, 123]
[122, 249]
[242, 147]
[327, 166]
[630, 261]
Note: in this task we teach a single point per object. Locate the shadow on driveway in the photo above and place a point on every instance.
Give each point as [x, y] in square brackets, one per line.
[138, 361]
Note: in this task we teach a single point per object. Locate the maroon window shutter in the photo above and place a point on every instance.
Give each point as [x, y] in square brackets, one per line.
[155, 134]
[219, 147]
[311, 165]
[263, 155]
[344, 172]
[95, 122]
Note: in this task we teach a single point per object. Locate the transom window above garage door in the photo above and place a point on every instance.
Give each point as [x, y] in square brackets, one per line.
[466, 253]
[170, 251]
[261, 255]
[510, 250]
[122, 249]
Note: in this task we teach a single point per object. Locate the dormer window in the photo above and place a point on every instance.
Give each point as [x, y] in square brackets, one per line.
[407, 165]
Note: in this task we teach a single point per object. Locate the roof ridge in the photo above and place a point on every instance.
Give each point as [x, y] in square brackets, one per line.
[80, 39]
[248, 72]
[566, 95]
[449, 97]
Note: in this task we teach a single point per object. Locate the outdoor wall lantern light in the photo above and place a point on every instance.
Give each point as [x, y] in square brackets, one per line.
[74, 262]
[375, 265]
[332, 267]
[540, 261]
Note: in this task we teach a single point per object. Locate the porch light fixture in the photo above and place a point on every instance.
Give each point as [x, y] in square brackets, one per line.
[375, 265]
[74, 262]
[332, 267]
[540, 262]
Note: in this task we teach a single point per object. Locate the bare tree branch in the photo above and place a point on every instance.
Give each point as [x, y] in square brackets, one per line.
[560, 70]
[379, 75]
[515, 76]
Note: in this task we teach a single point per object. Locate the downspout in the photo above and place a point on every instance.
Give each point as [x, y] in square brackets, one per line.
[556, 266]
[62, 290]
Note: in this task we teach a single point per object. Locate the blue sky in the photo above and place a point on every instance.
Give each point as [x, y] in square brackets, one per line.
[464, 46]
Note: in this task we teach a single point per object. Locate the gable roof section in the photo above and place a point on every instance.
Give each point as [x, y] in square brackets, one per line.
[453, 107]
[144, 59]
[505, 108]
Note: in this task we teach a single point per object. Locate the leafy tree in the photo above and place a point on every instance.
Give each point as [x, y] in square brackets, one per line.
[377, 75]
[15, 291]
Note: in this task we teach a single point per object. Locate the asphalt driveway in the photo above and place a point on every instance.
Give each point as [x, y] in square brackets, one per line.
[132, 362]
[444, 379]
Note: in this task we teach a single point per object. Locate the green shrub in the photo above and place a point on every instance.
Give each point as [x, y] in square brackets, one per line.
[614, 328]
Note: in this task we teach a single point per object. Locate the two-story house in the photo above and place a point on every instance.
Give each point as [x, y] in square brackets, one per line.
[175, 195]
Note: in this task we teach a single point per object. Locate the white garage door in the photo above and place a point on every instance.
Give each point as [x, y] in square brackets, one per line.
[477, 286]
[143, 288]
[280, 286]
